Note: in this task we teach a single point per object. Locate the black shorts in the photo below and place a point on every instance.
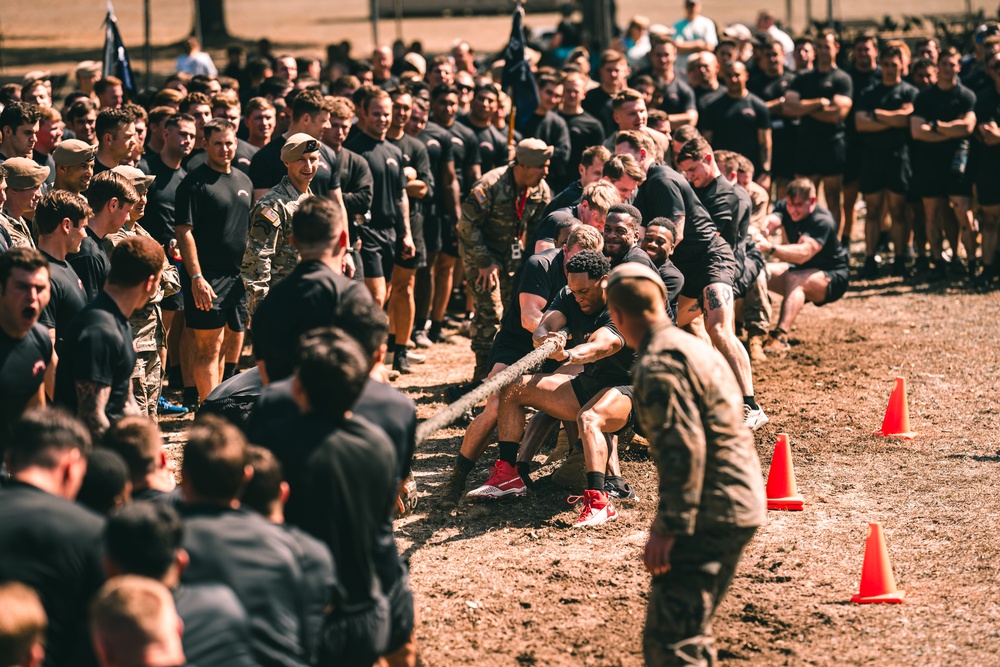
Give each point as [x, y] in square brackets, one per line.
[783, 148]
[934, 179]
[586, 387]
[449, 239]
[886, 171]
[988, 185]
[432, 231]
[174, 302]
[419, 258]
[355, 637]
[837, 287]
[853, 160]
[400, 612]
[229, 307]
[826, 159]
[717, 266]
[378, 251]
[359, 269]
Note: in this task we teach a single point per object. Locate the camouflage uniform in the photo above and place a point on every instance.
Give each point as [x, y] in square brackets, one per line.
[711, 488]
[148, 332]
[489, 228]
[19, 230]
[270, 256]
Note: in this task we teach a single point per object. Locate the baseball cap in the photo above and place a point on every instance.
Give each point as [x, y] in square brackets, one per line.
[24, 173]
[298, 145]
[533, 152]
[139, 179]
[73, 152]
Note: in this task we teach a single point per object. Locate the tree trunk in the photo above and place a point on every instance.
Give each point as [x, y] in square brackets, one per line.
[211, 20]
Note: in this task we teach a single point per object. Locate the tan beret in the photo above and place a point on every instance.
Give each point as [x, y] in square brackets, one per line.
[72, 152]
[139, 179]
[416, 62]
[24, 173]
[298, 145]
[533, 152]
[636, 270]
[91, 67]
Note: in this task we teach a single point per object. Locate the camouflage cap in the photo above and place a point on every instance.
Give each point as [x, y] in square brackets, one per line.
[298, 145]
[72, 152]
[533, 152]
[24, 173]
[636, 270]
[139, 179]
[91, 67]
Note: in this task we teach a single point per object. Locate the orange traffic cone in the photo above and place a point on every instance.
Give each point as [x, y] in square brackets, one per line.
[781, 491]
[897, 416]
[877, 582]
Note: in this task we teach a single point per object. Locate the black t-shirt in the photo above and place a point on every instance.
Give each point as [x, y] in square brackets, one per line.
[673, 279]
[819, 225]
[947, 105]
[598, 104]
[68, 297]
[584, 131]
[988, 162]
[547, 227]
[356, 183]
[492, 145]
[216, 627]
[814, 84]
[542, 275]
[53, 546]
[91, 264]
[241, 159]
[635, 255]
[771, 88]
[703, 97]
[22, 371]
[267, 169]
[734, 124]
[860, 83]
[415, 155]
[388, 181]
[260, 562]
[611, 371]
[677, 97]
[97, 348]
[161, 197]
[346, 489]
[437, 140]
[217, 206]
[889, 98]
[722, 203]
[568, 198]
[308, 298]
[666, 193]
[552, 129]
[463, 150]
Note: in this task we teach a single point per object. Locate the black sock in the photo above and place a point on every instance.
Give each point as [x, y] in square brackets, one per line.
[508, 452]
[391, 344]
[595, 481]
[750, 403]
[174, 377]
[524, 472]
[190, 397]
[616, 481]
[435, 330]
[778, 331]
[228, 371]
[576, 446]
[464, 465]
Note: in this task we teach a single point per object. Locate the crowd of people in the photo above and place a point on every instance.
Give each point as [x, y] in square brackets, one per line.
[341, 219]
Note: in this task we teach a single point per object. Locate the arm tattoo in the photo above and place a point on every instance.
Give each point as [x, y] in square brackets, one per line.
[92, 400]
[718, 297]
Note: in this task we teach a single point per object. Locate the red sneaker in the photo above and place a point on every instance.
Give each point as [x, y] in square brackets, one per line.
[503, 481]
[597, 508]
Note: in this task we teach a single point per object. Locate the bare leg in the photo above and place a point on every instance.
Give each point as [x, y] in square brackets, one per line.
[401, 305]
[850, 195]
[873, 221]
[477, 435]
[443, 276]
[377, 287]
[207, 349]
[605, 413]
[833, 187]
[551, 394]
[962, 208]
[718, 300]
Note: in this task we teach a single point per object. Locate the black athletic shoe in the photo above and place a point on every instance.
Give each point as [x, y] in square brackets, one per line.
[401, 364]
[623, 492]
[453, 490]
[870, 270]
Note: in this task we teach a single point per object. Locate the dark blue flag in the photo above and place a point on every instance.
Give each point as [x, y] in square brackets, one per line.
[116, 62]
[517, 79]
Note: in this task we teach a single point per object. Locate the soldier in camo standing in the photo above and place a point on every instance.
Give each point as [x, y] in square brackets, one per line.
[148, 332]
[270, 256]
[503, 209]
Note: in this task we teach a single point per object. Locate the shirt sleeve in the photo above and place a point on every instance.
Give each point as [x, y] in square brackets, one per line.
[763, 115]
[475, 210]
[535, 279]
[95, 356]
[842, 84]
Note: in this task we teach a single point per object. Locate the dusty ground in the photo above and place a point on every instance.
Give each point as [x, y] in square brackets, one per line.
[512, 583]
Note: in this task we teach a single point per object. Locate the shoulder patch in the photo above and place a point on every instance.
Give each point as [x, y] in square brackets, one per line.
[479, 192]
[270, 214]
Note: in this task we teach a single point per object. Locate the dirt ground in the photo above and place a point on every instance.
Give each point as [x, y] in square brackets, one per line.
[512, 583]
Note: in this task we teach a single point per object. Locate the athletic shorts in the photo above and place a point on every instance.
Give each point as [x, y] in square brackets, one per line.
[355, 637]
[886, 171]
[837, 287]
[400, 612]
[174, 302]
[853, 157]
[718, 266]
[934, 179]
[586, 387]
[432, 231]
[449, 239]
[378, 251]
[229, 307]
[828, 159]
[988, 185]
[419, 258]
